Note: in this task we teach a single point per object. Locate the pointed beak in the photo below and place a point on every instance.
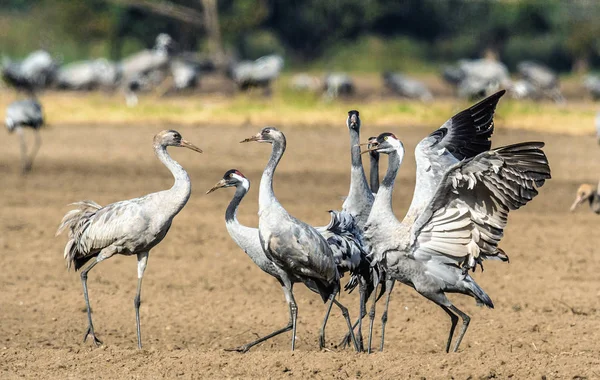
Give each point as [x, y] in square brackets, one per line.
[579, 200]
[189, 145]
[372, 146]
[256, 137]
[218, 185]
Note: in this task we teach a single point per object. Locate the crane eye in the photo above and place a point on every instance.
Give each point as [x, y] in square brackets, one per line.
[267, 131]
[385, 138]
[231, 175]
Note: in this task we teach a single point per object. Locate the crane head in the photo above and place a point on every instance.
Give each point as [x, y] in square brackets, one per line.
[370, 144]
[384, 143]
[268, 135]
[584, 193]
[353, 121]
[173, 138]
[231, 178]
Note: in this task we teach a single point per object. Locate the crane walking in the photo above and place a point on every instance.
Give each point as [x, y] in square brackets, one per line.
[131, 227]
[293, 245]
[26, 113]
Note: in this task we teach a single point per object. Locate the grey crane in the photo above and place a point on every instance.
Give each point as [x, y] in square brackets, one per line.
[294, 246]
[146, 61]
[407, 87]
[88, 75]
[36, 71]
[542, 78]
[260, 73]
[131, 227]
[373, 165]
[358, 204]
[475, 123]
[21, 114]
[587, 193]
[340, 235]
[477, 78]
[185, 74]
[338, 84]
[458, 213]
[592, 84]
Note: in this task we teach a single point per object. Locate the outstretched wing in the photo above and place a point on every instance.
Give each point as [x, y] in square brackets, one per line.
[464, 136]
[465, 220]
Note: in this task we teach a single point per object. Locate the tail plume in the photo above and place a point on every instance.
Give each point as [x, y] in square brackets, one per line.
[76, 221]
[480, 296]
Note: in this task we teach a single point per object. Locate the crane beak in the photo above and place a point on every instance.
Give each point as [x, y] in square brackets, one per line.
[219, 185]
[579, 200]
[189, 145]
[256, 137]
[353, 121]
[372, 146]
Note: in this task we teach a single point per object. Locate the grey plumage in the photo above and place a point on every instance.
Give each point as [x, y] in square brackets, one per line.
[477, 78]
[592, 84]
[131, 227]
[338, 84]
[341, 234]
[259, 73]
[292, 245]
[185, 74]
[459, 210]
[407, 87]
[88, 75]
[25, 113]
[35, 72]
[543, 80]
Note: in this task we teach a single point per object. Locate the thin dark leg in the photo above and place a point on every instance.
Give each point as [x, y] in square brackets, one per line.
[24, 159]
[466, 319]
[294, 308]
[348, 322]
[361, 315]
[372, 317]
[142, 261]
[90, 330]
[384, 317]
[454, 319]
[287, 328]
[36, 148]
[322, 333]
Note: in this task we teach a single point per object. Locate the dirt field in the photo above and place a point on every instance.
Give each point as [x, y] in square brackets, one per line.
[202, 294]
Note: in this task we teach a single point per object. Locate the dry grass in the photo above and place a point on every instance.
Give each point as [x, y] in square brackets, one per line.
[287, 108]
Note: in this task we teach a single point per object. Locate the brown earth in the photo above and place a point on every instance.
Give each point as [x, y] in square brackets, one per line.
[202, 294]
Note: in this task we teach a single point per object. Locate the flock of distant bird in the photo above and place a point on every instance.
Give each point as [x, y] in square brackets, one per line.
[464, 191]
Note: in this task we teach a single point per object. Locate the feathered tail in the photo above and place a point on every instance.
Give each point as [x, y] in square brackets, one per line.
[77, 221]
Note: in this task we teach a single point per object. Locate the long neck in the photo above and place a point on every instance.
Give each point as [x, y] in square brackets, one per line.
[231, 212]
[178, 195]
[266, 196]
[374, 173]
[382, 207]
[358, 179]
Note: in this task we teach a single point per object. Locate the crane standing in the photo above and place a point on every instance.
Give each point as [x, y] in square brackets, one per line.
[21, 114]
[131, 227]
[292, 245]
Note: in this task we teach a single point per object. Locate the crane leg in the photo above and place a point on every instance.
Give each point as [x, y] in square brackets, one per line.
[24, 159]
[454, 320]
[36, 147]
[142, 262]
[372, 318]
[363, 312]
[289, 298]
[348, 322]
[389, 284]
[90, 330]
[466, 319]
[322, 332]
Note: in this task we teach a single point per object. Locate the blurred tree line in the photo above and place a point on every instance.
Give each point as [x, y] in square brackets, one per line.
[321, 34]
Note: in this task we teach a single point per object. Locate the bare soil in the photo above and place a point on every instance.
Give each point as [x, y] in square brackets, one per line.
[201, 294]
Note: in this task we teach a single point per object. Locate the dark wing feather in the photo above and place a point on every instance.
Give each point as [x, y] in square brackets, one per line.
[468, 133]
[465, 220]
